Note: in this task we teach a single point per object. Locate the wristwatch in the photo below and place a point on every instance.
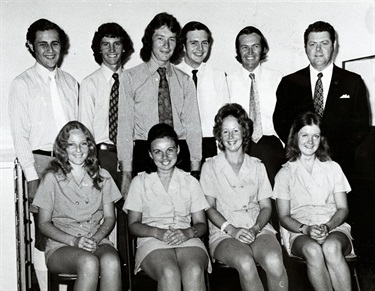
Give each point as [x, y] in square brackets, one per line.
[301, 228]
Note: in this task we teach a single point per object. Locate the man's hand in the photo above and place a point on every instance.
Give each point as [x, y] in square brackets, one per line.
[32, 186]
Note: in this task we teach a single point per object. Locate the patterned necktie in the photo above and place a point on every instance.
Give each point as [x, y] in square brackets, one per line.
[164, 99]
[318, 95]
[195, 79]
[113, 109]
[254, 110]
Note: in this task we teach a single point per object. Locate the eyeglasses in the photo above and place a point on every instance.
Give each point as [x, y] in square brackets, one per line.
[83, 146]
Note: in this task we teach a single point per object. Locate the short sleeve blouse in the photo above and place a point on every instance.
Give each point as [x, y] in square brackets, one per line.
[311, 195]
[161, 208]
[76, 209]
[237, 196]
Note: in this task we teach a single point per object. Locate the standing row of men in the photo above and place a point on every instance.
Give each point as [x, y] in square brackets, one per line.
[119, 107]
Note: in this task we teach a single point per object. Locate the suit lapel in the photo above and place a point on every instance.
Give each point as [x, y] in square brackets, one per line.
[333, 87]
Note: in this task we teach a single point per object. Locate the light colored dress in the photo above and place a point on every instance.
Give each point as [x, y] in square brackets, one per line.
[311, 195]
[164, 209]
[237, 196]
[76, 209]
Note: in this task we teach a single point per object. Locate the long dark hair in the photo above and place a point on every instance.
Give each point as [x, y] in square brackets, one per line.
[61, 163]
[160, 20]
[308, 118]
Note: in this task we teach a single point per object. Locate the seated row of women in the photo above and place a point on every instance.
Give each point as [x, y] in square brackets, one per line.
[167, 210]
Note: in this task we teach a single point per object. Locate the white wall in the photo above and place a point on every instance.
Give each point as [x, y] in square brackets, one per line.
[283, 24]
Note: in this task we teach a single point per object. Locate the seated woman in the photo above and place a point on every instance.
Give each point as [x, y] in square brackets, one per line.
[310, 192]
[76, 212]
[162, 204]
[238, 191]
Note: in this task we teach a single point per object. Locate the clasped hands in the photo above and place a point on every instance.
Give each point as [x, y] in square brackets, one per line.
[174, 236]
[246, 236]
[88, 244]
[318, 232]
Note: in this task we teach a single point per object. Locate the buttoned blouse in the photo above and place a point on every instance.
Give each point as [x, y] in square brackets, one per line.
[311, 195]
[237, 195]
[76, 209]
[161, 208]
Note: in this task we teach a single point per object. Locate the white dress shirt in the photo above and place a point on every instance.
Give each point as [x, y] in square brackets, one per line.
[94, 97]
[31, 113]
[267, 81]
[212, 93]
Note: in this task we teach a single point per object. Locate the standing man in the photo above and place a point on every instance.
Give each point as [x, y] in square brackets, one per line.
[211, 84]
[254, 88]
[41, 101]
[98, 110]
[98, 95]
[157, 92]
[339, 96]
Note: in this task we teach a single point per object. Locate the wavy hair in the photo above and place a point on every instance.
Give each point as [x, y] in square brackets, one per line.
[111, 30]
[61, 162]
[43, 25]
[308, 118]
[320, 26]
[160, 20]
[237, 111]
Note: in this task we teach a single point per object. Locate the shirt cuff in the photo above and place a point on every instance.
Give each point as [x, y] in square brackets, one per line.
[30, 174]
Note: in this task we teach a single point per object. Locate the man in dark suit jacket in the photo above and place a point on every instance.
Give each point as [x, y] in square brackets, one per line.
[345, 109]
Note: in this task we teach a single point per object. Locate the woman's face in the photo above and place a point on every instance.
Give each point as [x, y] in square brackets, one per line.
[78, 147]
[164, 153]
[231, 134]
[309, 139]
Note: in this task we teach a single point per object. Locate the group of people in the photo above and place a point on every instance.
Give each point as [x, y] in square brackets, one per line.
[146, 140]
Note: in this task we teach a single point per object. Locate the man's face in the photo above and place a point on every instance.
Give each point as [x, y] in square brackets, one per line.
[250, 50]
[47, 48]
[319, 49]
[111, 49]
[196, 47]
[163, 44]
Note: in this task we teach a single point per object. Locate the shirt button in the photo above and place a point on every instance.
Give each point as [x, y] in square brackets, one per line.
[89, 234]
[77, 202]
[86, 201]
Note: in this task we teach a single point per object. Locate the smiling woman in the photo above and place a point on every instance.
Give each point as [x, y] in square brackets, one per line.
[76, 212]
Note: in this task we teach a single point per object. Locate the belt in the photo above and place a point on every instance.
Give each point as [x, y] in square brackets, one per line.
[106, 147]
[44, 153]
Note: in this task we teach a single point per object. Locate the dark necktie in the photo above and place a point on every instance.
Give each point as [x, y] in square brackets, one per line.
[254, 110]
[113, 109]
[318, 95]
[195, 79]
[164, 99]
